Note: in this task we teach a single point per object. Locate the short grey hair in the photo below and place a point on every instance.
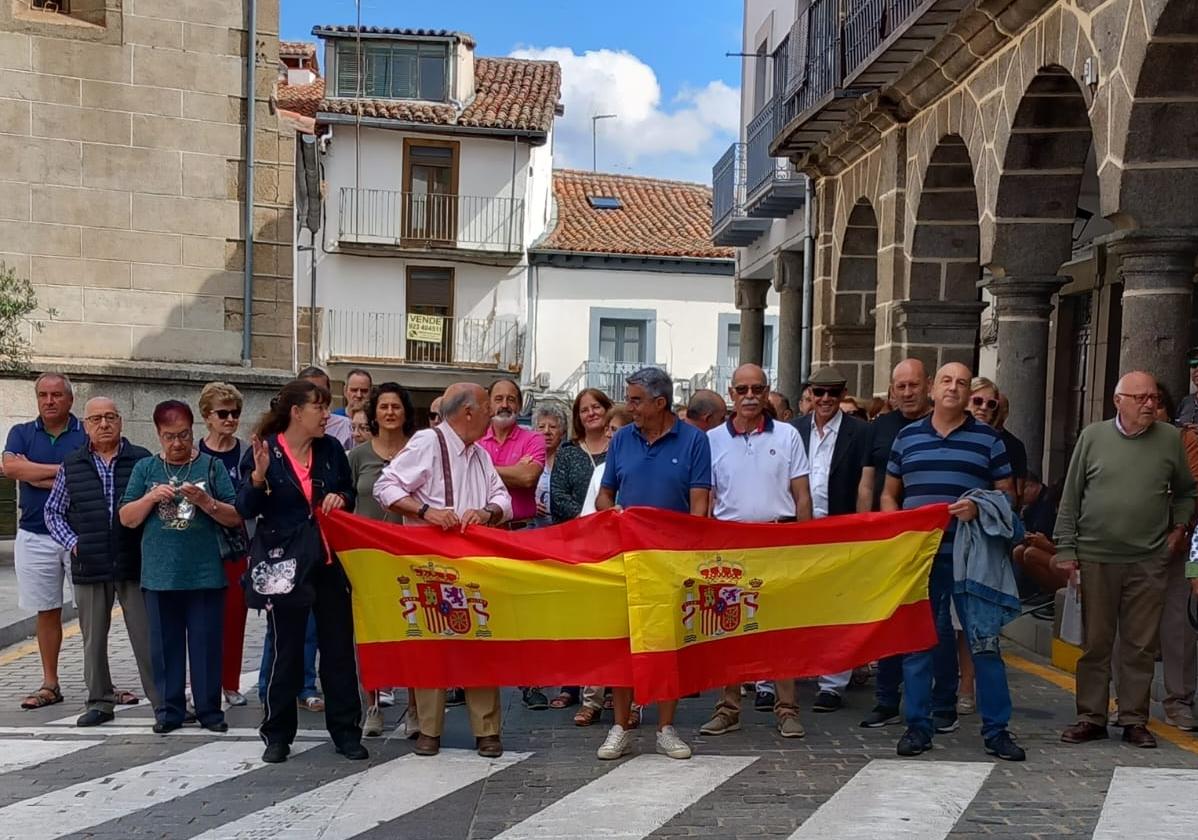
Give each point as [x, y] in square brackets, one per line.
[655, 381]
[52, 375]
[554, 410]
[453, 405]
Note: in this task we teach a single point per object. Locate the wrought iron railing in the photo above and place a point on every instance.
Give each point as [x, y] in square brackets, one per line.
[869, 23]
[728, 185]
[409, 219]
[608, 377]
[761, 169]
[411, 338]
[719, 377]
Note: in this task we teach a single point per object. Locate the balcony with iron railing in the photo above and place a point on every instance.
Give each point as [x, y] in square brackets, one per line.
[774, 189]
[718, 378]
[410, 338]
[841, 50]
[730, 224]
[608, 377]
[430, 221]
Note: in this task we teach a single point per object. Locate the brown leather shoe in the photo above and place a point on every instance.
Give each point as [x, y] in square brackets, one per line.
[489, 746]
[1138, 736]
[1084, 731]
[427, 745]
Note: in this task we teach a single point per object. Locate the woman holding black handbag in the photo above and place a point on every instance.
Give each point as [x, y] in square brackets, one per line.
[293, 468]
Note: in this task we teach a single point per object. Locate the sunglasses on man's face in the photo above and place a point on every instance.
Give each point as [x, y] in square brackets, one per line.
[741, 390]
[983, 402]
[825, 392]
[226, 413]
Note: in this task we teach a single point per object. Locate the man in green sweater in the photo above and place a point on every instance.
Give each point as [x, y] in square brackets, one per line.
[1125, 514]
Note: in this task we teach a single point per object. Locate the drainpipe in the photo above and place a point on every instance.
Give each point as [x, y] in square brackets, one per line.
[808, 280]
[250, 85]
[530, 324]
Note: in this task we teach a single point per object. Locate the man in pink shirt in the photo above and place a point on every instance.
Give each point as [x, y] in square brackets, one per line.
[518, 454]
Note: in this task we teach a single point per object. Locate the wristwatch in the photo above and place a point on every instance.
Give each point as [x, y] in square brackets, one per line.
[423, 510]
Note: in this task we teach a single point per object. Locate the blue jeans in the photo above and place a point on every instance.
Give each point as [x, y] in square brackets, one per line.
[945, 675]
[268, 658]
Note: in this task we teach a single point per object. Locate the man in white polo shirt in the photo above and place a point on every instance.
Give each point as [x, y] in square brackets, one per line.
[758, 474]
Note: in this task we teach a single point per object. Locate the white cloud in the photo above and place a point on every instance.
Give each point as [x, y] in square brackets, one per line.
[681, 141]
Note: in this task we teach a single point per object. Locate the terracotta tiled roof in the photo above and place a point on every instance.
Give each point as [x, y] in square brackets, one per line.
[300, 99]
[512, 93]
[349, 31]
[657, 219]
[297, 49]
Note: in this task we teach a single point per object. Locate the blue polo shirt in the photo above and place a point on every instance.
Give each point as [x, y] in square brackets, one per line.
[937, 469]
[34, 442]
[661, 474]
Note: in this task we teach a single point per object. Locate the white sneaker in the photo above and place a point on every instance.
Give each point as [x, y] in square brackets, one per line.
[386, 698]
[373, 727]
[668, 743]
[617, 743]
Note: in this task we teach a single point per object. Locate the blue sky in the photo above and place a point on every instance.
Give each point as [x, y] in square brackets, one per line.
[658, 64]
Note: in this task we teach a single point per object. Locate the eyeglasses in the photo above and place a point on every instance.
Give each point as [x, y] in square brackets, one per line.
[226, 413]
[96, 419]
[175, 437]
[1140, 399]
[989, 403]
[741, 390]
[826, 392]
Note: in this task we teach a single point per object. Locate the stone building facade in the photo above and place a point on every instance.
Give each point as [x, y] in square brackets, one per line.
[1021, 171]
[122, 198]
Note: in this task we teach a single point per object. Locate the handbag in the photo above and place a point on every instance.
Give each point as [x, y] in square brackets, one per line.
[234, 543]
[281, 566]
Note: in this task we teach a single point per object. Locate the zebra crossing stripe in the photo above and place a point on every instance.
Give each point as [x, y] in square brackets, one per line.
[248, 685]
[349, 806]
[19, 753]
[124, 792]
[143, 726]
[1163, 797]
[631, 801]
[903, 800]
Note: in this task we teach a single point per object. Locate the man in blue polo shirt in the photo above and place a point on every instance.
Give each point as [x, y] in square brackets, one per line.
[936, 460]
[660, 462]
[33, 454]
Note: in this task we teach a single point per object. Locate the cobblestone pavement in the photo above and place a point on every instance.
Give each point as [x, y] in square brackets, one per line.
[841, 781]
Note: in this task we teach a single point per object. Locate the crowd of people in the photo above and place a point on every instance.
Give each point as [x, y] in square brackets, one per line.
[189, 539]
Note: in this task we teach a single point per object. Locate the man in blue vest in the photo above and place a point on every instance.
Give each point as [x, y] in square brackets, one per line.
[81, 515]
[32, 455]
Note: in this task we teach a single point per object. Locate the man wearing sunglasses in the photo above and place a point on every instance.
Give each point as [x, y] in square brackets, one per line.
[1126, 511]
[758, 474]
[837, 445]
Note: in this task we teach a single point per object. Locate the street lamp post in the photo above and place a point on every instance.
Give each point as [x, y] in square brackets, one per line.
[594, 143]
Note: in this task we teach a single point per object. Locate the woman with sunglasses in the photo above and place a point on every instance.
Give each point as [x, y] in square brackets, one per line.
[220, 406]
[294, 468]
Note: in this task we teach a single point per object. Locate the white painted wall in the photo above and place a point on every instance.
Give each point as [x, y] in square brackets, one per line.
[688, 307]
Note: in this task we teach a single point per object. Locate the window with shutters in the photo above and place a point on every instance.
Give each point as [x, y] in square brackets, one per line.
[393, 70]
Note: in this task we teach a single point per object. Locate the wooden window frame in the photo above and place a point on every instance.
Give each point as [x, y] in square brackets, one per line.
[447, 340]
[408, 237]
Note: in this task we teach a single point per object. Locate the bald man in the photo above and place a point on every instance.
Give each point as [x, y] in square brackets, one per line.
[1126, 511]
[937, 460]
[706, 410]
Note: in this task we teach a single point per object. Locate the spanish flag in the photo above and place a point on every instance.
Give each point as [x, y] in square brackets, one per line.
[666, 603]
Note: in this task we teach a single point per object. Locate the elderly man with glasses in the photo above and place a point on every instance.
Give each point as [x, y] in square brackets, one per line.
[82, 516]
[1126, 511]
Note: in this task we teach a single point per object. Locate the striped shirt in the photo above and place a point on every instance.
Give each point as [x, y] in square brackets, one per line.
[937, 469]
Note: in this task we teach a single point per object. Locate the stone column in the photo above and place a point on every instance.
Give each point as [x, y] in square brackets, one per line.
[750, 300]
[788, 282]
[1157, 267]
[1023, 305]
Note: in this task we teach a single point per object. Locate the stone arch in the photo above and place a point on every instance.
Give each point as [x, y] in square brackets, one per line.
[1153, 106]
[1040, 180]
[852, 330]
[937, 321]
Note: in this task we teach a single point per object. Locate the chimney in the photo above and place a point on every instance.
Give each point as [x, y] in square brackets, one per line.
[463, 76]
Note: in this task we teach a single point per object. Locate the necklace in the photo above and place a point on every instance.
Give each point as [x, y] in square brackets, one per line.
[178, 476]
[586, 447]
[386, 454]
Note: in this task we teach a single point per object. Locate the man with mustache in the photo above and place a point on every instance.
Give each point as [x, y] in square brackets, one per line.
[519, 458]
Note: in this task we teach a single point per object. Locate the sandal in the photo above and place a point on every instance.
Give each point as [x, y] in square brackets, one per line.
[587, 716]
[127, 698]
[47, 695]
[634, 718]
[563, 701]
[312, 704]
[607, 703]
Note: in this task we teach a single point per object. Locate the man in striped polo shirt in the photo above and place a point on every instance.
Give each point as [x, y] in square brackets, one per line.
[934, 460]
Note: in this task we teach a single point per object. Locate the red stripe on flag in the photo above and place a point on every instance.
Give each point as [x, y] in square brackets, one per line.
[801, 652]
[437, 663]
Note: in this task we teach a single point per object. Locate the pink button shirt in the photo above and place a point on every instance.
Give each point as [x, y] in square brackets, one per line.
[416, 472]
[520, 443]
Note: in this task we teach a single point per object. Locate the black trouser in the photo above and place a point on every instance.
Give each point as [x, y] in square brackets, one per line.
[338, 665]
[185, 627]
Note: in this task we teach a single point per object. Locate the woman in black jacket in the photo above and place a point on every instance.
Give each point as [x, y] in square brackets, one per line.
[292, 469]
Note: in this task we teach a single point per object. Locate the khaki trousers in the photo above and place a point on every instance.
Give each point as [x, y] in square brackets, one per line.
[784, 691]
[1179, 644]
[1123, 601]
[95, 602]
[482, 704]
